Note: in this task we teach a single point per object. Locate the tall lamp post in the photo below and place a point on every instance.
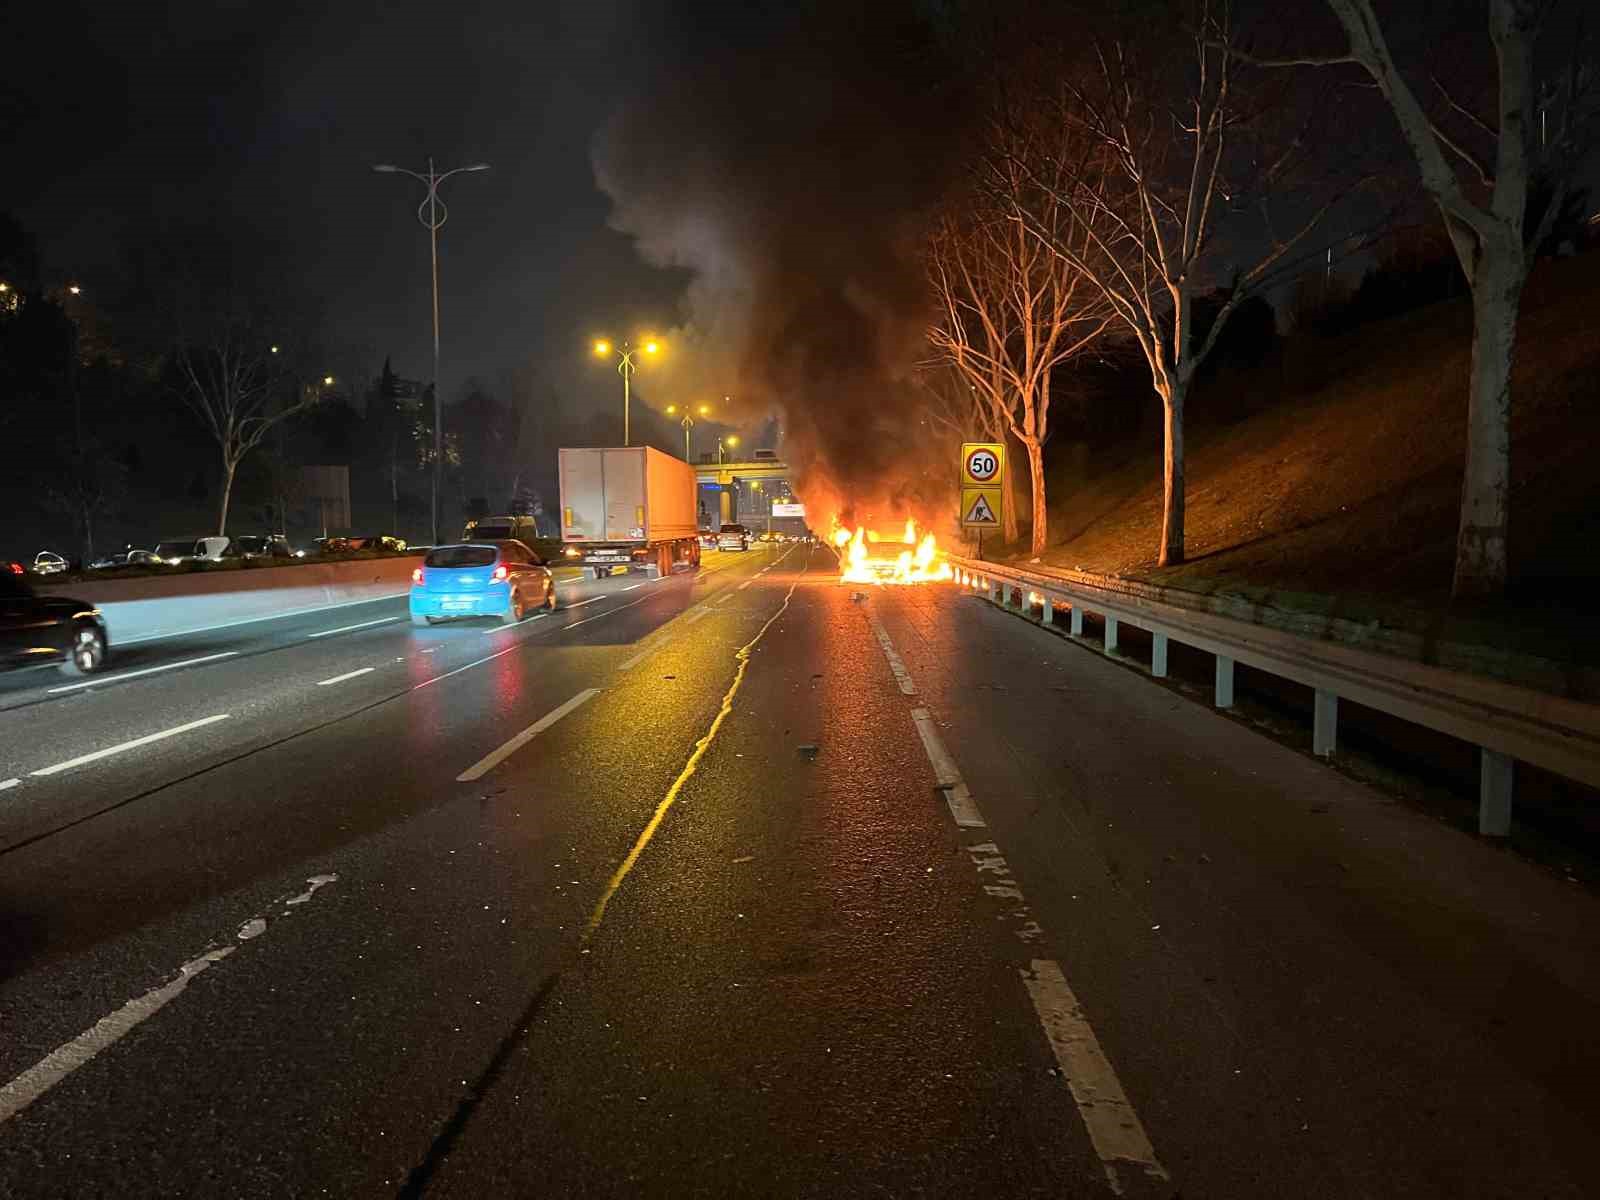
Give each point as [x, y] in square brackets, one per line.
[687, 423]
[603, 348]
[433, 214]
[731, 442]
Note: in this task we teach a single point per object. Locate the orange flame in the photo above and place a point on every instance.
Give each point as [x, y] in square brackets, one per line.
[919, 565]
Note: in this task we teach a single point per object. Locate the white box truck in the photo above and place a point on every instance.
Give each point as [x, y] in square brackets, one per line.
[629, 506]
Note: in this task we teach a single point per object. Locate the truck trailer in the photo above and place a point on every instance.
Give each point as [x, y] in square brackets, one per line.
[628, 506]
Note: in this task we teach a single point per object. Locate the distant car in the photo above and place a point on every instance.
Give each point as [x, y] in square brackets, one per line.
[271, 545]
[47, 562]
[480, 579]
[375, 541]
[733, 537]
[332, 545]
[126, 558]
[39, 629]
[708, 539]
[186, 550]
[498, 529]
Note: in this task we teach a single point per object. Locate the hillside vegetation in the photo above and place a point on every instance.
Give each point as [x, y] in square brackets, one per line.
[1334, 469]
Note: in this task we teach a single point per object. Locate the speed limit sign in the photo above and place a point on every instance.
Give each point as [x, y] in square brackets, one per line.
[982, 462]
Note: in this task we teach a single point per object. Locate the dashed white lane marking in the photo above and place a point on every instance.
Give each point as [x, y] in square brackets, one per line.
[633, 587]
[100, 679]
[1114, 1127]
[67, 1058]
[702, 611]
[348, 628]
[493, 759]
[8, 783]
[901, 675]
[513, 628]
[346, 675]
[947, 776]
[646, 652]
[746, 584]
[581, 603]
[133, 745]
[723, 599]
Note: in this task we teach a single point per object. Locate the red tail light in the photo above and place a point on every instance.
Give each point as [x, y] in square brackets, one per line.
[16, 568]
[500, 574]
[416, 576]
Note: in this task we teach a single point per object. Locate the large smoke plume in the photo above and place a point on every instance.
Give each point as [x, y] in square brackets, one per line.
[788, 159]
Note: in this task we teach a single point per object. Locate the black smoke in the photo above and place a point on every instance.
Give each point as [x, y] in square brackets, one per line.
[788, 157]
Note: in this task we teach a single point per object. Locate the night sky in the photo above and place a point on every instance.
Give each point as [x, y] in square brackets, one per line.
[268, 117]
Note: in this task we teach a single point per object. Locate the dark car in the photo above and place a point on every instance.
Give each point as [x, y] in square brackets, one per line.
[251, 545]
[41, 629]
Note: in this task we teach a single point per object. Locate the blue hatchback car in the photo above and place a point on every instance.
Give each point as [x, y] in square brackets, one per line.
[480, 579]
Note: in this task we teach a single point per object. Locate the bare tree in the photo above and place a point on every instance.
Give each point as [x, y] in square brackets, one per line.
[1011, 309]
[1499, 182]
[240, 383]
[1184, 154]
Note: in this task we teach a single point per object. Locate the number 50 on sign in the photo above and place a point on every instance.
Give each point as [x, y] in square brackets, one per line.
[982, 463]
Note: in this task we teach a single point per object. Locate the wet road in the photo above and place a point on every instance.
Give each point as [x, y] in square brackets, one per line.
[738, 884]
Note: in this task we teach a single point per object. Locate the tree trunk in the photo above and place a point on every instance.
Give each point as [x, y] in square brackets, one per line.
[227, 492]
[1172, 477]
[1041, 516]
[1480, 570]
[1010, 529]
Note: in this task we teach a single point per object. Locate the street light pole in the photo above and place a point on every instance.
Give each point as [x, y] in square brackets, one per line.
[436, 215]
[688, 424]
[626, 368]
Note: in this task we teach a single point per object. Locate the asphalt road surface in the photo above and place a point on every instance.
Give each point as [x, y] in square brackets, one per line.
[746, 882]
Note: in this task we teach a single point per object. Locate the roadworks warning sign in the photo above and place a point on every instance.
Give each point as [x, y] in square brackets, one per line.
[980, 508]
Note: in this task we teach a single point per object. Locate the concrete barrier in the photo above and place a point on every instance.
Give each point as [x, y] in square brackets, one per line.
[139, 610]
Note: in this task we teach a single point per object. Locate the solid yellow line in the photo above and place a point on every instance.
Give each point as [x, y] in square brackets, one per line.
[699, 752]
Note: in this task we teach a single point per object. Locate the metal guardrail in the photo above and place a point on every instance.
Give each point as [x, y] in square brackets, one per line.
[1507, 722]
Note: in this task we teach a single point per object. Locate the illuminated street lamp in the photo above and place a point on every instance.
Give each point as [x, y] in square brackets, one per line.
[688, 423]
[731, 443]
[433, 214]
[603, 348]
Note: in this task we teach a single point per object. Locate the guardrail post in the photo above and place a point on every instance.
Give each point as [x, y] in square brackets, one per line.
[1077, 620]
[1111, 635]
[1158, 655]
[1324, 723]
[1224, 689]
[1495, 775]
[1047, 609]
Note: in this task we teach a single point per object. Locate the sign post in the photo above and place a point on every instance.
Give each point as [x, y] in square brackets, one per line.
[983, 479]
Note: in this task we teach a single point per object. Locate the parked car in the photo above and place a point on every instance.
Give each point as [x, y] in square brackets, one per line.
[492, 529]
[480, 579]
[270, 545]
[126, 558]
[185, 550]
[37, 629]
[47, 562]
[733, 537]
[376, 541]
[332, 545]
